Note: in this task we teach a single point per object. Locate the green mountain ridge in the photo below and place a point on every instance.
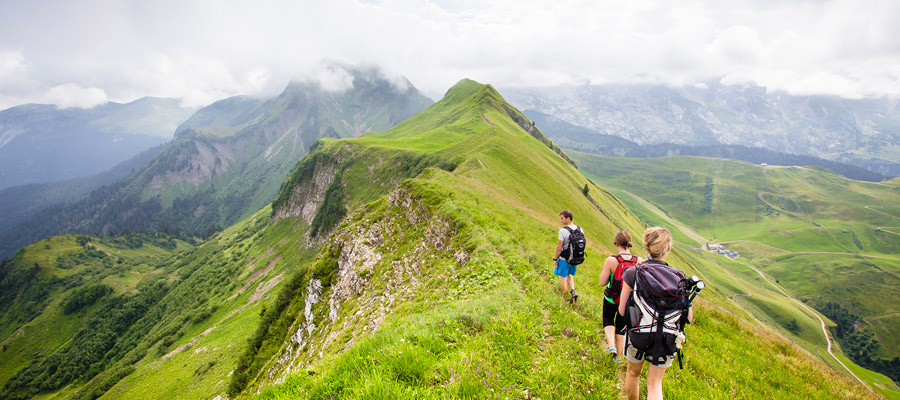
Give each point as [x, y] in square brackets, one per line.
[211, 177]
[414, 263]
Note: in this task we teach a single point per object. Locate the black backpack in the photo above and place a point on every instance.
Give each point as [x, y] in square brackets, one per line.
[656, 312]
[574, 254]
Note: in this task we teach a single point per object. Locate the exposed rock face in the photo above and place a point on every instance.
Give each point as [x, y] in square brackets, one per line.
[197, 166]
[371, 277]
[308, 195]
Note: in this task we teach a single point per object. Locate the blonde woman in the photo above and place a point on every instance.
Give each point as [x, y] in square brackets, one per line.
[657, 242]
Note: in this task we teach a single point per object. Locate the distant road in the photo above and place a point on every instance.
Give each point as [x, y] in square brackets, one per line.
[701, 241]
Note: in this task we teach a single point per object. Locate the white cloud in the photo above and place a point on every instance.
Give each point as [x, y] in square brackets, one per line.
[204, 50]
[72, 95]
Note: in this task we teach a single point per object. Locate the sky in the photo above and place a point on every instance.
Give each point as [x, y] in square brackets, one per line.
[87, 52]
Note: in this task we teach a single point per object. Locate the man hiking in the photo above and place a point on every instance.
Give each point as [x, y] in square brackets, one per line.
[569, 253]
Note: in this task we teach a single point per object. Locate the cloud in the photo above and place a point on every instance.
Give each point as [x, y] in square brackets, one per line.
[205, 50]
[72, 95]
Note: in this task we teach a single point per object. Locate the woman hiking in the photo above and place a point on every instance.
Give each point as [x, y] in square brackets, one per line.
[657, 242]
[611, 277]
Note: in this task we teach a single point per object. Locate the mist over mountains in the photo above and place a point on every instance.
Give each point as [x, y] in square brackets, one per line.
[43, 143]
[864, 132]
[227, 161]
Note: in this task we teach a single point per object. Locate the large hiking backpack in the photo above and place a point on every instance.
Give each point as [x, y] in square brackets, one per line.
[574, 254]
[614, 289]
[656, 312]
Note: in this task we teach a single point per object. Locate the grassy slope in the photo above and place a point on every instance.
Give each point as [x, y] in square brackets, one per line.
[51, 328]
[497, 326]
[805, 211]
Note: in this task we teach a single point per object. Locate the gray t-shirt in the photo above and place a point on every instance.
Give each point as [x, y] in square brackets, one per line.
[564, 235]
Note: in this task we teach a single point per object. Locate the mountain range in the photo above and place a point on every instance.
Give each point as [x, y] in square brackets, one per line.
[863, 132]
[227, 160]
[43, 143]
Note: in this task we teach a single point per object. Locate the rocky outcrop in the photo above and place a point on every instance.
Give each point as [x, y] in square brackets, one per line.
[306, 196]
[371, 279]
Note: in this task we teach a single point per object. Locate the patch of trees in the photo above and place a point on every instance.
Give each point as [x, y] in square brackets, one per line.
[84, 356]
[84, 297]
[708, 195]
[859, 345]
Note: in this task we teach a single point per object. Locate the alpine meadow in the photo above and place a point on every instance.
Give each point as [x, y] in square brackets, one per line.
[415, 263]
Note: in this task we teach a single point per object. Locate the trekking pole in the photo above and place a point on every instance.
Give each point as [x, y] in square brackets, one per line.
[696, 286]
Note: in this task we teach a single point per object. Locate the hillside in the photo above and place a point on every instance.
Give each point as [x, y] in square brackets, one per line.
[860, 132]
[823, 238]
[213, 176]
[42, 143]
[414, 263]
[63, 295]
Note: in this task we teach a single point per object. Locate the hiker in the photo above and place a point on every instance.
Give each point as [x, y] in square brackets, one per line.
[657, 242]
[569, 253]
[611, 277]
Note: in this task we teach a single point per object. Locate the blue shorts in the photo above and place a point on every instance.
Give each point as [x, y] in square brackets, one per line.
[564, 269]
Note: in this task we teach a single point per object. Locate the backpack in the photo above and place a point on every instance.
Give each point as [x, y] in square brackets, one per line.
[614, 289]
[574, 254]
[655, 314]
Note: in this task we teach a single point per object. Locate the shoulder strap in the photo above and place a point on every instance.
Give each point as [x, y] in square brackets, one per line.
[619, 258]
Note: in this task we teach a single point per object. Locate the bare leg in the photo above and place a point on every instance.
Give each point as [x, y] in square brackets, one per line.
[633, 379]
[610, 331]
[571, 282]
[564, 283]
[620, 343]
[654, 382]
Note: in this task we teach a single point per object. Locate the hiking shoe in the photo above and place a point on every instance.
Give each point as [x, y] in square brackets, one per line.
[574, 298]
[612, 352]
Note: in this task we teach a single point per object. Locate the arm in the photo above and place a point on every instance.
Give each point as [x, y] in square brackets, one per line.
[608, 266]
[559, 247]
[626, 294]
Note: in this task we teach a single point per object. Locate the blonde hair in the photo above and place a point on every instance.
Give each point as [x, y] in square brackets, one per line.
[657, 241]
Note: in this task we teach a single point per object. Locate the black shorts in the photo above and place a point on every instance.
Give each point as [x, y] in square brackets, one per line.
[611, 317]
